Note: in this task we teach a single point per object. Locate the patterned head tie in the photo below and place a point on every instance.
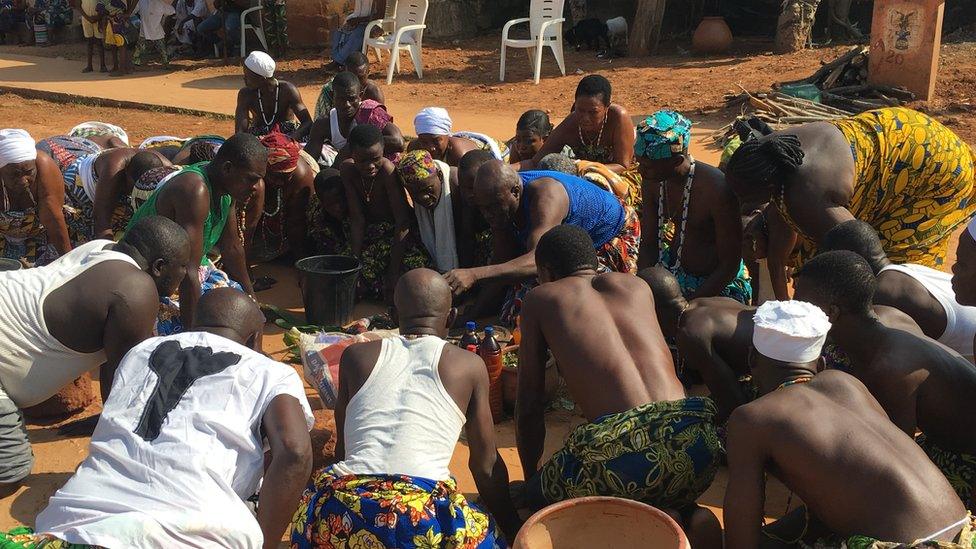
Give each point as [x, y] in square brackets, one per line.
[663, 135]
[416, 166]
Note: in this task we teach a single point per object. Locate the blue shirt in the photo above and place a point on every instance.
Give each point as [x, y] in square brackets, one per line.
[596, 211]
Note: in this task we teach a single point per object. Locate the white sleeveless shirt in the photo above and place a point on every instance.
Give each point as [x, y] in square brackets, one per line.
[402, 420]
[34, 365]
[960, 319]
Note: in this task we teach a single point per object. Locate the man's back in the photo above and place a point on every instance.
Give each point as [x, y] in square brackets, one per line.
[722, 324]
[407, 403]
[833, 445]
[924, 385]
[38, 306]
[603, 334]
[177, 449]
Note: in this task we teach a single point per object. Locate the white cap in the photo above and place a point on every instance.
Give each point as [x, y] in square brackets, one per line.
[972, 228]
[260, 64]
[433, 120]
[16, 146]
[790, 331]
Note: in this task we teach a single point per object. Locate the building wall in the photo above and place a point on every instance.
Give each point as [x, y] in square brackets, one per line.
[309, 21]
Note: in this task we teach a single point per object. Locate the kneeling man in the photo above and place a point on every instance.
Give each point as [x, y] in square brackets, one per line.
[862, 478]
[646, 439]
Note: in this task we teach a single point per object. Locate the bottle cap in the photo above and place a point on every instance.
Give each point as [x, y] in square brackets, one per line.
[470, 326]
[489, 331]
[473, 348]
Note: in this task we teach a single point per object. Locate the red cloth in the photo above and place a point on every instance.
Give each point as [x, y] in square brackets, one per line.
[283, 152]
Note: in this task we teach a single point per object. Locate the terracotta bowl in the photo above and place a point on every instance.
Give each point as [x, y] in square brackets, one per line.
[604, 522]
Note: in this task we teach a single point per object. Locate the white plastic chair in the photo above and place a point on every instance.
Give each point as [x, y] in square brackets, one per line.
[408, 34]
[258, 31]
[546, 30]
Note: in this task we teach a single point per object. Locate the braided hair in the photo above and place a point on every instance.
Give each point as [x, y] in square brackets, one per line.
[759, 160]
[535, 121]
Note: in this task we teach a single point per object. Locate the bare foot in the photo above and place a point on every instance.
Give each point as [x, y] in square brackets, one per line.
[88, 69]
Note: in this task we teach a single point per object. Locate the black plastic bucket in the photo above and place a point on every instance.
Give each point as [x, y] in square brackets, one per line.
[328, 285]
[10, 264]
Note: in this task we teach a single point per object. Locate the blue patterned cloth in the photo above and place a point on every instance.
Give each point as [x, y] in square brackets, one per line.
[168, 321]
[388, 511]
[739, 289]
[662, 135]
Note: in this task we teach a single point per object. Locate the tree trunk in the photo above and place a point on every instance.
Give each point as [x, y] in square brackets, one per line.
[795, 25]
[647, 27]
[840, 26]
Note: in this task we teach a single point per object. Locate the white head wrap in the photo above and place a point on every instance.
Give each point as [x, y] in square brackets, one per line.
[433, 120]
[790, 331]
[972, 228]
[260, 63]
[16, 146]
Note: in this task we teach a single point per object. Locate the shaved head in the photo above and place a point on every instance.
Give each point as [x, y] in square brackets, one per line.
[498, 193]
[230, 313]
[663, 284]
[423, 300]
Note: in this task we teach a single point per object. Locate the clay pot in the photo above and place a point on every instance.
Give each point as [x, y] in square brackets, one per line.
[509, 382]
[712, 36]
[586, 522]
[70, 400]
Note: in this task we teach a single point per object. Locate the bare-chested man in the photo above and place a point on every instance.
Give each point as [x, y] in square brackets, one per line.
[618, 368]
[84, 310]
[350, 109]
[99, 185]
[266, 103]
[713, 335]
[33, 229]
[203, 199]
[379, 216]
[522, 206]
[925, 294]
[401, 406]
[691, 201]
[823, 435]
[921, 384]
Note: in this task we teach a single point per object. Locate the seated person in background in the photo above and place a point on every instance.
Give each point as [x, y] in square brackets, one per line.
[922, 385]
[801, 430]
[179, 446]
[646, 439]
[531, 132]
[86, 309]
[597, 130]
[435, 135]
[693, 211]
[33, 217]
[925, 294]
[203, 199]
[105, 135]
[350, 110]
[348, 38]
[380, 221]
[226, 14]
[99, 186]
[402, 405]
[522, 206]
[358, 64]
[275, 220]
[266, 104]
[433, 189]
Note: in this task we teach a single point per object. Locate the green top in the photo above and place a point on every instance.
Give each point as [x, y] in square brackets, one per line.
[213, 226]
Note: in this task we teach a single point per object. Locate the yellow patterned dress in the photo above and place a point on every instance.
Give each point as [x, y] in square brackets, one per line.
[914, 183]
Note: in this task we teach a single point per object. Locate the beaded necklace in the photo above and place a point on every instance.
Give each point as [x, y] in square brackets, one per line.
[662, 225]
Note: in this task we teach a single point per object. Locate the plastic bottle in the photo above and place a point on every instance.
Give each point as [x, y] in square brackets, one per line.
[470, 336]
[491, 353]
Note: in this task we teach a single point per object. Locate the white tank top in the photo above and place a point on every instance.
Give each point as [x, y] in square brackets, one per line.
[960, 320]
[402, 421]
[338, 140]
[34, 365]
